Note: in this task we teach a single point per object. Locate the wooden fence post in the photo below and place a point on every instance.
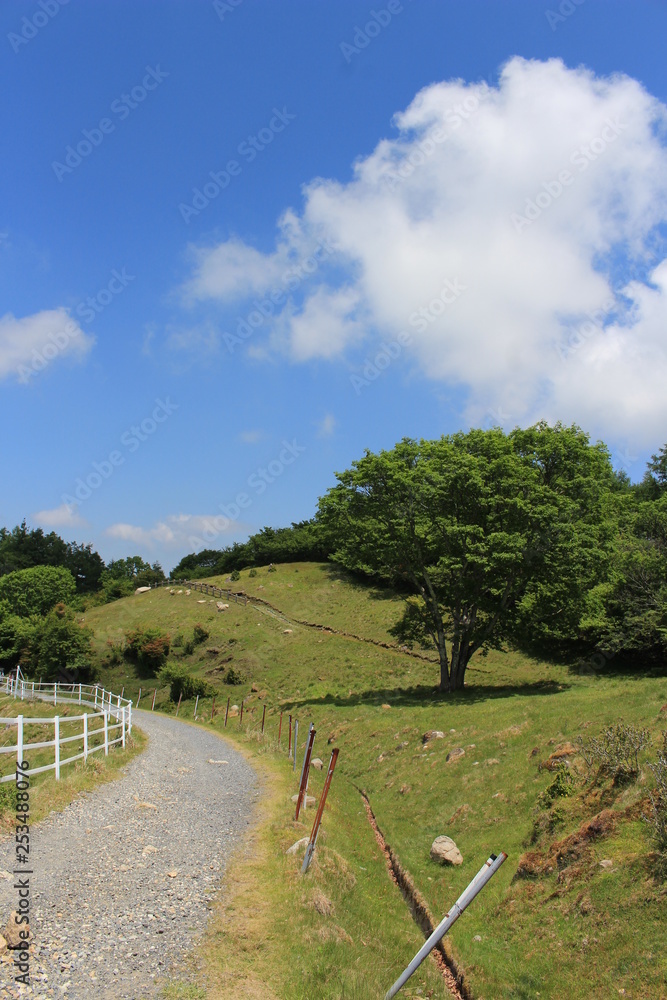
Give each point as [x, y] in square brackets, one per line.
[227, 712]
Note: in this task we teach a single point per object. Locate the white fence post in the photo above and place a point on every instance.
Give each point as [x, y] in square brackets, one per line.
[56, 744]
[79, 694]
[85, 738]
[123, 728]
[19, 740]
[129, 724]
[106, 735]
[33, 690]
[95, 696]
[55, 693]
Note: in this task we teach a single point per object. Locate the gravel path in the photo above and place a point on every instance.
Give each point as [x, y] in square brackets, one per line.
[123, 877]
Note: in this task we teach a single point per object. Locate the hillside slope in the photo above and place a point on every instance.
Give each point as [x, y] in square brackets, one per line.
[553, 922]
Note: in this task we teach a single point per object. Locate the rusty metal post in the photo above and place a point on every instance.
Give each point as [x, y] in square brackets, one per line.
[226, 713]
[263, 718]
[280, 727]
[213, 708]
[289, 741]
[138, 699]
[179, 703]
[153, 705]
[241, 715]
[296, 740]
[306, 765]
[194, 714]
[320, 810]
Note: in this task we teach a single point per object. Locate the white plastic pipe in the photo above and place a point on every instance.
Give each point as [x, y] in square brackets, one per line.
[466, 897]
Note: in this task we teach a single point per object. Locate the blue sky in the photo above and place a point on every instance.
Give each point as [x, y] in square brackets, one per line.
[240, 243]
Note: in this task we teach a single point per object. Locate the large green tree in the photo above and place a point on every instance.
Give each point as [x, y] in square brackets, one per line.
[495, 535]
[35, 591]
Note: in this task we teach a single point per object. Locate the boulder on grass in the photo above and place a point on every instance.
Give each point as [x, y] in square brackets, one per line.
[433, 734]
[445, 852]
[455, 754]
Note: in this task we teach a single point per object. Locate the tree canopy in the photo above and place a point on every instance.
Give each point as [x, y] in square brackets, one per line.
[494, 534]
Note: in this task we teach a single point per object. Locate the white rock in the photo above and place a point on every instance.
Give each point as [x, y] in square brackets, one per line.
[300, 844]
[445, 851]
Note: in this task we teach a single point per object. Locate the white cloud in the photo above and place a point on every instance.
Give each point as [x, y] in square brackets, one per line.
[473, 190]
[64, 516]
[251, 436]
[30, 344]
[183, 531]
[327, 425]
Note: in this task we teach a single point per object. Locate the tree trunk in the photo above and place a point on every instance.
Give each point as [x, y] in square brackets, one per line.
[458, 669]
[444, 664]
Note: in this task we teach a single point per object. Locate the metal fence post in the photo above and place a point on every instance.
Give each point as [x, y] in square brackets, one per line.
[466, 897]
[179, 703]
[139, 698]
[296, 736]
[129, 724]
[196, 703]
[19, 740]
[154, 695]
[56, 745]
[241, 714]
[213, 708]
[304, 773]
[263, 718]
[226, 713]
[289, 739]
[55, 693]
[79, 694]
[280, 727]
[318, 815]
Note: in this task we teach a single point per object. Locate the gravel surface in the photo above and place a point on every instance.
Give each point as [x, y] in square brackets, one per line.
[123, 877]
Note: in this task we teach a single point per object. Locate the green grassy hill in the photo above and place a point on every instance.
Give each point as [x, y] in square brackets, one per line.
[553, 923]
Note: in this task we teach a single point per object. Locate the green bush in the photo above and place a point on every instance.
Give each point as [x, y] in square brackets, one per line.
[178, 641]
[147, 646]
[199, 634]
[271, 569]
[616, 751]
[7, 797]
[253, 572]
[182, 684]
[560, 787]
[235, 575]
[233, 676]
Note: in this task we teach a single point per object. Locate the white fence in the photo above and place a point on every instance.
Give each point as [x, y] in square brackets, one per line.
[108, 706]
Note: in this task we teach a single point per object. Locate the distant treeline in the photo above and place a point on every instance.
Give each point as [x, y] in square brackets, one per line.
[305, 541]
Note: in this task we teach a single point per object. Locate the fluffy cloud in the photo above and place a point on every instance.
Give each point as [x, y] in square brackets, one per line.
[531, 198]
[64, 516]
[30, 344]
[184, 531]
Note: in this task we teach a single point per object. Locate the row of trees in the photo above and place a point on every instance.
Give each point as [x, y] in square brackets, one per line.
[44, 581]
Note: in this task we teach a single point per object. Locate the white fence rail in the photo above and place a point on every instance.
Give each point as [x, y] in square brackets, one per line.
[108, 706]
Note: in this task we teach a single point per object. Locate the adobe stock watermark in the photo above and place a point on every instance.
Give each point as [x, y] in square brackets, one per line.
[31, 26]
[419, 320]
[363, 36]
[264, 308]
[257, 482]
[130, 441]
[581, 157]
[224, 7]
[565, 9]
[122, 107]
[249, 149]
[88, 310]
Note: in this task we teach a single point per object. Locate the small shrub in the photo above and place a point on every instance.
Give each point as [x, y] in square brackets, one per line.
[189, 646]
[199, 634]
[253, 572]
[115, 651]
[235, 575]
[182, 684]
[616, 750]
[658, 797]
[560, 787]
[233, 676]
[271, 569]
[178, 641]
[147, 646]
